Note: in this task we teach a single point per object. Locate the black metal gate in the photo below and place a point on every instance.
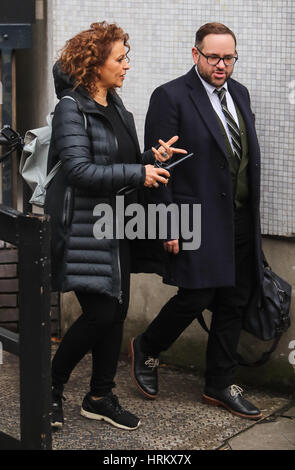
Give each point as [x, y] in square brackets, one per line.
[31, 235]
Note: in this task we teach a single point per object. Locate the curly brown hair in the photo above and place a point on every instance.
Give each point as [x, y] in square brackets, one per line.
[83, 54]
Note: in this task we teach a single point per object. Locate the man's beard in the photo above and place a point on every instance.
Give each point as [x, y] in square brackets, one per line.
[207, 76]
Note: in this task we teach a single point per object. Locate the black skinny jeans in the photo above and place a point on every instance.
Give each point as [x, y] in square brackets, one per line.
[99, 329]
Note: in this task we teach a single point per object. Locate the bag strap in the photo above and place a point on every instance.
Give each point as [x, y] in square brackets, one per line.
[259, 362]
[55, 169]
[51, 174]
[73, 99]
[264, 357]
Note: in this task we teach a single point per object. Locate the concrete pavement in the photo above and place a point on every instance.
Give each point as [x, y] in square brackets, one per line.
[276, 432]
[176, 420]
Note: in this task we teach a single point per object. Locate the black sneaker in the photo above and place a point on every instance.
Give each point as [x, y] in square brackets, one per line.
[109, 409]
[57, 416]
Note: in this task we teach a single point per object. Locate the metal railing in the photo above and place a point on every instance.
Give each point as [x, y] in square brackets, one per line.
[31, 235]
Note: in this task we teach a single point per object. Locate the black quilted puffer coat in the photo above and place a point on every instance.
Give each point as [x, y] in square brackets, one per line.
[88, 176]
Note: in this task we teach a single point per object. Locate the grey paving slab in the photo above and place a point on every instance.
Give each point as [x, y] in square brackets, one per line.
[277, 435]
[177, 420]
[290, 413]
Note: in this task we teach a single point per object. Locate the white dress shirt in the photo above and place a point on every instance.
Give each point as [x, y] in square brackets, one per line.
[215, 101]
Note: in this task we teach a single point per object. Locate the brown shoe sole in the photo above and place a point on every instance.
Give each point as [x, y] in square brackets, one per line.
[131, 354]
[214, 402]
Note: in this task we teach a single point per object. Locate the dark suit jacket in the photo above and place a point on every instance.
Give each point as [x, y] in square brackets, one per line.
[182, 107]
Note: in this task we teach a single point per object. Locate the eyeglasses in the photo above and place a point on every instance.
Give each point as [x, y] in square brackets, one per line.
[214, 60]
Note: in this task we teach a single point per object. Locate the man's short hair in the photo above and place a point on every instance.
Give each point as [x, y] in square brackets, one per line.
[212, 28]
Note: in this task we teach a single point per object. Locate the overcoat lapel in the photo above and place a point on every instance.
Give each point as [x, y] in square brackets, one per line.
[243, 107]
[247, 115]
[201, 101]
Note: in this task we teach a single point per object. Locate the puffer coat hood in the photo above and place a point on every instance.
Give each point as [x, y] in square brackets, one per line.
[61, 80]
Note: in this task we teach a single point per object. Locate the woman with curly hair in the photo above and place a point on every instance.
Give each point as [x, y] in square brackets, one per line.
[94, 137]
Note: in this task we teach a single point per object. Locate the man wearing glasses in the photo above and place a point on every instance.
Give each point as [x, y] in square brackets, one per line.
[211, 114]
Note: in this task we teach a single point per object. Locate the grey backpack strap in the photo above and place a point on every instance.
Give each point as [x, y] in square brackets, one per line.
[51, 174]
[73, 99]
[38, 196]
[55, 169]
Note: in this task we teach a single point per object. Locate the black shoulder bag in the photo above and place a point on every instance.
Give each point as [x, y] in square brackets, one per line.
[267, 315]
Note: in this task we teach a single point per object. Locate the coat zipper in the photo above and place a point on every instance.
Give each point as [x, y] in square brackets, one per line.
[120, 297]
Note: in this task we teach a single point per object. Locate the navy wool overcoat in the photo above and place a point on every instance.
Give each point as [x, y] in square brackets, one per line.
[182, 107]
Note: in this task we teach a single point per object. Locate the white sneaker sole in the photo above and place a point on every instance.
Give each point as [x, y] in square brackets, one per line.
[89, 415]
[57, 424]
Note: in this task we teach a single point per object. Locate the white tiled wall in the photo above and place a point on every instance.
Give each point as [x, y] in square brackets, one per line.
[161, 36]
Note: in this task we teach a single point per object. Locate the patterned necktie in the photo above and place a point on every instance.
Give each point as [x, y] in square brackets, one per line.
[232, 125]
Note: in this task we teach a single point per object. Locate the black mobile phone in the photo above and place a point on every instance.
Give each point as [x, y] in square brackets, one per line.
[168, 166]
[128, 189]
